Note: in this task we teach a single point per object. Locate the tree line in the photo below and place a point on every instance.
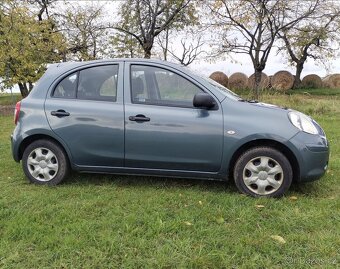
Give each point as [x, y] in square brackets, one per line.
[34, 33]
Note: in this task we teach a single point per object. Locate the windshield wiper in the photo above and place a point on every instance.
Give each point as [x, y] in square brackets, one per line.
[249, 101]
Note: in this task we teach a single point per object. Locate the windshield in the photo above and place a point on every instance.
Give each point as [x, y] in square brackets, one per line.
[220, 87]
[217, 86]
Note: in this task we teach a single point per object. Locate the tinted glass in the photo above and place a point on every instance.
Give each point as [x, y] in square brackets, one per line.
[98, 83]
[67, 87]
[158, 86]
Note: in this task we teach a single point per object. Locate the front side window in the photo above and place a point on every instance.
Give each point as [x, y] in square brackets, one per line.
[94, 83]
[158, 86]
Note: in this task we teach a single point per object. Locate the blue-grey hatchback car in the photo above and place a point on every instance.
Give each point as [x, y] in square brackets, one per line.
[136, 116]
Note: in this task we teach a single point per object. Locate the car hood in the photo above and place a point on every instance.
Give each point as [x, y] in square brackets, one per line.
[270, 106]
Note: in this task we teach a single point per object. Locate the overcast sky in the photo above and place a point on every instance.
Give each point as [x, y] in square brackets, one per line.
[275, 63]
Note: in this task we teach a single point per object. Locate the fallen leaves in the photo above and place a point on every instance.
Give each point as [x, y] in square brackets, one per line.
[220, 220]
[278, 238]
[293, 198]
[188, 223]
[259, 206]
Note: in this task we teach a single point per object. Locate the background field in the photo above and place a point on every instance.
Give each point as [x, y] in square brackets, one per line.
[108, 221]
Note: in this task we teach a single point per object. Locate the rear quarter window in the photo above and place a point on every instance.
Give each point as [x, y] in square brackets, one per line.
[67, 87]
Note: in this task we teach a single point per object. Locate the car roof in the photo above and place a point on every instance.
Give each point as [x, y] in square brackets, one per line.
[64, 66]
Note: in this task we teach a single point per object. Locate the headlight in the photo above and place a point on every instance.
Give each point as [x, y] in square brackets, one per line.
[303, 122]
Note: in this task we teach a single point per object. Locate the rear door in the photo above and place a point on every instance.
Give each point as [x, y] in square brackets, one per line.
[85, 109]
[163, 130]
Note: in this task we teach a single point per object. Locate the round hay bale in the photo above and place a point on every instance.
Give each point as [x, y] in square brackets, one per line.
[332, 81]
[264, 82]
[311, 81]
[220, 77]
[282, 81]
[238, 81]
[325, 81]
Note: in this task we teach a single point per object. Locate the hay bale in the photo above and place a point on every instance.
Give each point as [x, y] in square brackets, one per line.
[311, 81]
[264, 82]
[282, 81]
[332, 81]
[220, 77]
[325, 81]
[238, 81]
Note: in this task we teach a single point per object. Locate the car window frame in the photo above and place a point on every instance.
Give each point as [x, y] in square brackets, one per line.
[166, 68]
[77, 71]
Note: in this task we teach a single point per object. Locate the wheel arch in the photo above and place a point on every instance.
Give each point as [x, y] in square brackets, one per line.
[30, 139]
[267, 143]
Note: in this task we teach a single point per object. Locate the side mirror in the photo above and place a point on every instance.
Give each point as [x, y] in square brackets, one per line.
[204, 100]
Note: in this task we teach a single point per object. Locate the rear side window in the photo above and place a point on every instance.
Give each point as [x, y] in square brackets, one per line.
[98, 83]
[94, 83]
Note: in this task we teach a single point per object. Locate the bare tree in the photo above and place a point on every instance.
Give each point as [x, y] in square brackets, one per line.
[146, 19]
[252, 26]
[191, 49]
[313, 38]
[43, 7]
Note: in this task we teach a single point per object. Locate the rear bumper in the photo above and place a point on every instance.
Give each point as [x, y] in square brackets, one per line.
[15, 150]
[312, 152]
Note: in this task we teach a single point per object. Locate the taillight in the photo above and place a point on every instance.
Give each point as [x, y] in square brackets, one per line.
[17, 112]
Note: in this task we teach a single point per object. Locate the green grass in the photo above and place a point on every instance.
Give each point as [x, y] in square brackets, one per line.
[8, 99]
[321, 91]
[108, 221]
[246, 93]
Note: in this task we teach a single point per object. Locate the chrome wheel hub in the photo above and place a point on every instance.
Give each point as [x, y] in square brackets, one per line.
[263, 175]
[42, 164]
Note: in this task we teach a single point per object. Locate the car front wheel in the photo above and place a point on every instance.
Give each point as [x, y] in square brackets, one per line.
[263, 171]
[45, 163]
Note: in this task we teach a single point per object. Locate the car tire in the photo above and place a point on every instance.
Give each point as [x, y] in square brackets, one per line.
[45, 162]
[263, 172]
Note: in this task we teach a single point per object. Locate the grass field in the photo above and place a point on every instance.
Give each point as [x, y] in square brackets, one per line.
[108, 221]
[8, 99]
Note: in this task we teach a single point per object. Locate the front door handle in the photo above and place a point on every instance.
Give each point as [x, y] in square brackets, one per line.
[139, 118]
[60, 113]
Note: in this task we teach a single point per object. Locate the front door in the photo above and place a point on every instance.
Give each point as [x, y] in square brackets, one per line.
[162, 128]
[85, 110]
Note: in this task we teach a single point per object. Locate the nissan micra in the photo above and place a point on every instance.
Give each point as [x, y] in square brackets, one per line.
[149, 117]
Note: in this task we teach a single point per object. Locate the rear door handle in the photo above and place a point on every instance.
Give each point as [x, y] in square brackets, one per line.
[60, 113]
[139, 118]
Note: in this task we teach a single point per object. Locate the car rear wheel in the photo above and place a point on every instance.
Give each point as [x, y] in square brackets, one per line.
[44, 162]
[263, 171]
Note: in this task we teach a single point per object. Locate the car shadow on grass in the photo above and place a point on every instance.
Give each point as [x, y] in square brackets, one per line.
[149, 182]
[311, 189]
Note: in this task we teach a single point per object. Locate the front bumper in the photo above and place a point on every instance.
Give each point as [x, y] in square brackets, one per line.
[312, 152]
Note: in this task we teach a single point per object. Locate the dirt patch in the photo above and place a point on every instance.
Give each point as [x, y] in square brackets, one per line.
[6, 110]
